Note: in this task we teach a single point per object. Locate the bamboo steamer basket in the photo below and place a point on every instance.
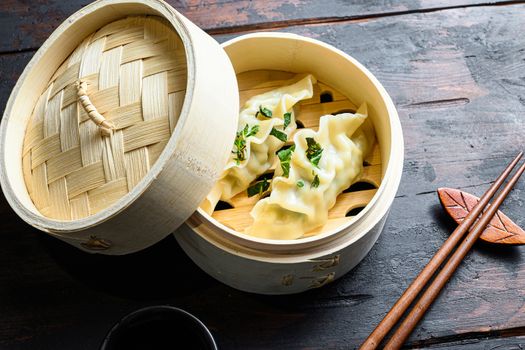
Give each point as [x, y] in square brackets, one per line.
[157, 78]
[123, 212]
[290, 266]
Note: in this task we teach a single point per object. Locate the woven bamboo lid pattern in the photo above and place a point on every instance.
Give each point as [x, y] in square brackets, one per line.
[104, 118]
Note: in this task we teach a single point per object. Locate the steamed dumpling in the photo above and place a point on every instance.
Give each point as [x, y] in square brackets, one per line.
[322, 165]
[265, 122]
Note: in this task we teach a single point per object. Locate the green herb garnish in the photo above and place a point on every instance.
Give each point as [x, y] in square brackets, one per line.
[258, 188]
[287, 119]
[279, 134]
[315, 182]
[300, 183]
[314, 151]
[285, 155]
[240, 142]
[254, 130]
[264, 111]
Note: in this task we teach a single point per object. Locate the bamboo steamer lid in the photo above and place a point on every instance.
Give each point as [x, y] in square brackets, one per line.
[103, 120]
[132, 116]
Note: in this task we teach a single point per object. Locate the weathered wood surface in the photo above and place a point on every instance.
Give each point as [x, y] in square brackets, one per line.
[26, 24]
[458, 79]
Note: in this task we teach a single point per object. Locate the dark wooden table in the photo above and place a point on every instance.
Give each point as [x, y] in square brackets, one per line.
[456, 72]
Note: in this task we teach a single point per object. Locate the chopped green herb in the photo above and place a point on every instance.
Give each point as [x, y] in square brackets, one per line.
[286, 153]
[279, 134]
[284, 156]
[315, 182]
[300, 183]
[314, 151]
[267, 176]
[287, 119]
[264, 111]
[240, 142]
[254, 130]
[258, 188]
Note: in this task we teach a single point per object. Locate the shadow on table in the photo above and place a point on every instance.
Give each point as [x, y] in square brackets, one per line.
[160, 271]
[163, 274]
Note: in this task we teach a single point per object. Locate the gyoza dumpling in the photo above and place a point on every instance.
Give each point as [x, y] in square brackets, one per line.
[265, 122]
[322, 165]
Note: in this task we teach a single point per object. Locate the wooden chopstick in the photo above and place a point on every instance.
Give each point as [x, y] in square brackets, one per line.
[399, 308]
[419, 309]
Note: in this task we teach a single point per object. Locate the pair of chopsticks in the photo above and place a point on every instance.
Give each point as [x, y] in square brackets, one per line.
[433, 290]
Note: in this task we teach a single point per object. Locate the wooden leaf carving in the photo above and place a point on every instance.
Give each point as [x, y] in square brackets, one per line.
[500, 230]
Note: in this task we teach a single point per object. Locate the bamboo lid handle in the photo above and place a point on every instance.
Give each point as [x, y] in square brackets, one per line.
[106, 127]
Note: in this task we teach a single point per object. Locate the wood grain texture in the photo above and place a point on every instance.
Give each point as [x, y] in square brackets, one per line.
[28, 23]
[457, 77]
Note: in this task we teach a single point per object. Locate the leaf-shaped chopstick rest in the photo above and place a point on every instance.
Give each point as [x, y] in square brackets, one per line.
[500, 230]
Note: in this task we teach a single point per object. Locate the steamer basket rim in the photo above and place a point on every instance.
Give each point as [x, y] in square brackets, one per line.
[393, 173]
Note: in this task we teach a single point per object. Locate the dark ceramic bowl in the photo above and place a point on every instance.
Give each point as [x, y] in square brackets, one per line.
[159, 327]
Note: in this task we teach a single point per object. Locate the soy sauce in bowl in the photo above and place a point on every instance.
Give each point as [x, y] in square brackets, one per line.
[159, 327]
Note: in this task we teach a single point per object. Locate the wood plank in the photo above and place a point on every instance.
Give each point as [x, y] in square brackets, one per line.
[27, 27]
[506, 340]
[457, 80]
